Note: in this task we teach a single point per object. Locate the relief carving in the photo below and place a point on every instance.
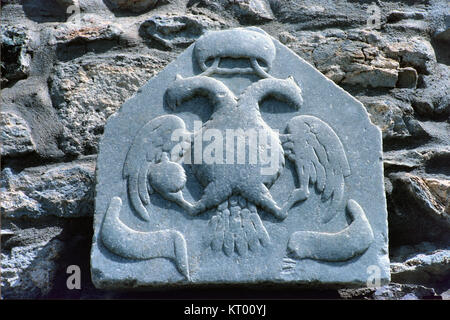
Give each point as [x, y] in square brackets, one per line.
[137, 245]
[237, 193]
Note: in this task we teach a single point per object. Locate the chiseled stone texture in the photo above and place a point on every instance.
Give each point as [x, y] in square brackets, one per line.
[284, 252]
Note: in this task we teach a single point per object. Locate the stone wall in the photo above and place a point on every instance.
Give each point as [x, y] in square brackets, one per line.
[67, 65]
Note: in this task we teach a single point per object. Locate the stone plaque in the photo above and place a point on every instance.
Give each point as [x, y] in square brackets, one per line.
[240, 163]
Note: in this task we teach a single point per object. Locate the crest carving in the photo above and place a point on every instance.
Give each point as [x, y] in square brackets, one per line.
[235, 194]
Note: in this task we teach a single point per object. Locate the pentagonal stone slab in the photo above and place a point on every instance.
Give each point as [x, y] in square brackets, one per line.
[240, 163]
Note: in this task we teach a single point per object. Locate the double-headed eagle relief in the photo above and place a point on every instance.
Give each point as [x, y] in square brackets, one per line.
[234, 172]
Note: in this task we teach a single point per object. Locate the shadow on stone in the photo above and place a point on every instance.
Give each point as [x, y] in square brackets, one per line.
[44, 11]
[132, 8]
[442, 51]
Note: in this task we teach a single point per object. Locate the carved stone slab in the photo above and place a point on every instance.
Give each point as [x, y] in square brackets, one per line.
[240, 163]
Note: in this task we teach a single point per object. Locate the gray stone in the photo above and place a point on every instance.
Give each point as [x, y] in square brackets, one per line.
[355, 57]
[409, 22]
[176, 31]
[373, 77]
[396, 15]
[15, 64]
[29, 272]
[446, 295]
[431, 194]
[30, 100]
[90, 30]
[392, 291]
[134, 5]
[253, 11]
[312, 211]
[15, 135]
[286, 37]
[433, 100]
[247, 12]
[85, 92]
[354, 62]
[416, 52]
[63, 190]
[424, 264]
[406, 160]
[429, 157]
[28, 260]
[389, 115]
[85, 34]
[443, 31]
[320, 14]
[403, 292]
[419, 205]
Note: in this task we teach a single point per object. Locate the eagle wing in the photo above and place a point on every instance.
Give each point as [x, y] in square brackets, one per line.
[319, 156]
[152, 141]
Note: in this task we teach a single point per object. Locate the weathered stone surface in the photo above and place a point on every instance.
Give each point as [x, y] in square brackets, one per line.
[15, 54]
[393, 291]
[15, 135]
[87, 30]
[28, 260]
[407, 160]
[144, 212]
[86, 34]
[177, 31]
[441, 23]
[253, 11]
[31, 100]
[134, 5]
[63, 190]
[412, 22]
[431, 194]
[372, 77]
[434, 99]
[351, 57]
[247, 12]
[87, 92]
[419, 208]
[36, 254]
[320, 14]
[416, 52]
[393, 117]
[424, 264]
[397, 15]
[285, 37]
